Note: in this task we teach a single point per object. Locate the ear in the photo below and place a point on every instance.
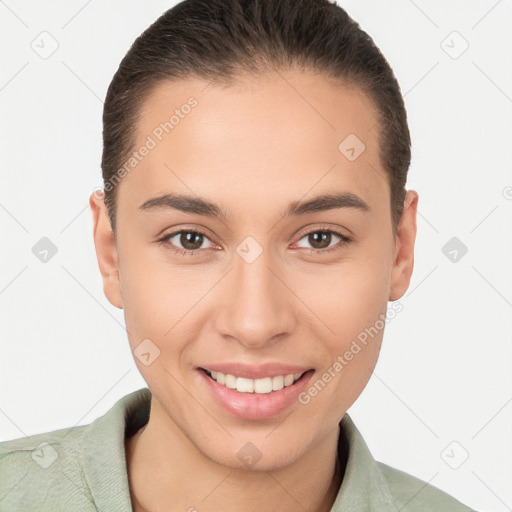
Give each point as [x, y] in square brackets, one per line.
[404, 248]
[106, 250]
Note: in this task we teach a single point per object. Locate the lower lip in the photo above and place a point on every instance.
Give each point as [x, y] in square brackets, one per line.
[256, 406]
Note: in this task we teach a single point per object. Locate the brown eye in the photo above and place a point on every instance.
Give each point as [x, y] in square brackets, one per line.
[320, 240]
[185, 241]
[191, 240]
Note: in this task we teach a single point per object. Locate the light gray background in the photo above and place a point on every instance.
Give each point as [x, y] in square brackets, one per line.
[441, 390]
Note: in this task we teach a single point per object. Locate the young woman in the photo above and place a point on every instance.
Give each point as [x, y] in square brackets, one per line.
[254, 225]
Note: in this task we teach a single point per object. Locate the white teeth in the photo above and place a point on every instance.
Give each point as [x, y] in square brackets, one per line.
[244, 385]
[260, 386]
[277, 383]
[230, 381]
[289, 379]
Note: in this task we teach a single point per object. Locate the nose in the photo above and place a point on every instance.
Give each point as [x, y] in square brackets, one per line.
[258, 307]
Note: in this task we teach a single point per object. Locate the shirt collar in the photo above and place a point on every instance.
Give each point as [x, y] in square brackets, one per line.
[103, 451]
[363, 488]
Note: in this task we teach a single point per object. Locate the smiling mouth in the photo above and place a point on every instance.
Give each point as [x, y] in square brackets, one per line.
[264, 385]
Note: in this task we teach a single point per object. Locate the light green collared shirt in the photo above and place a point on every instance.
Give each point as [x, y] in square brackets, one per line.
[83, 469]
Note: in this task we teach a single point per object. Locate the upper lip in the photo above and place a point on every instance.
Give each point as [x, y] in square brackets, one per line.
[256, 372]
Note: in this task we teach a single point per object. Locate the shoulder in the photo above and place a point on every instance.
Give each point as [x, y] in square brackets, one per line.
[411, 494]
[80, 468]
[43, 470]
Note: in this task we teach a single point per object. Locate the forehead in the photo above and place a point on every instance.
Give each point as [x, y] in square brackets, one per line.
[262, 138]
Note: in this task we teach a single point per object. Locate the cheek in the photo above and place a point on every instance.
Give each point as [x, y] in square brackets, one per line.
[349, 297]
[353, 306]
[354, 310]
[150, 301]
[162, 302]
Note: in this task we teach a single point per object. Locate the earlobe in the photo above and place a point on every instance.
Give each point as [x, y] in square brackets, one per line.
[404, 252]
[106, 250]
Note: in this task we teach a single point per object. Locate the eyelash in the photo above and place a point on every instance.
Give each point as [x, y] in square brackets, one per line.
[345, 240]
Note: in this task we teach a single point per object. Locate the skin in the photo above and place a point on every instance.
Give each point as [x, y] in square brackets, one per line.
[252, 148]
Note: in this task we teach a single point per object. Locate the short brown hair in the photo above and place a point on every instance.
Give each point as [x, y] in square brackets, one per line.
[219, 40]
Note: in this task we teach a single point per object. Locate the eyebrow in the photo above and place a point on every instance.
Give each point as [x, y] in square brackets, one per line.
[199, 206]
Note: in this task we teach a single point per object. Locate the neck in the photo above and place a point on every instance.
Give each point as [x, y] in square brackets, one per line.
[167, 472]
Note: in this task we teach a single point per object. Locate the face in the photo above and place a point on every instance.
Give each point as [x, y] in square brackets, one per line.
[243, 279]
